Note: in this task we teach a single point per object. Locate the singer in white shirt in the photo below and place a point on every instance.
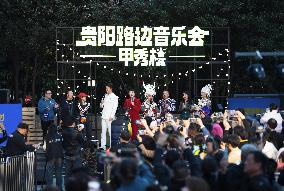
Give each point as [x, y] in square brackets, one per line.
[109, 104]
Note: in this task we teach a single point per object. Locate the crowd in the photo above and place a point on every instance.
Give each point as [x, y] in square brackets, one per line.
[197, 150]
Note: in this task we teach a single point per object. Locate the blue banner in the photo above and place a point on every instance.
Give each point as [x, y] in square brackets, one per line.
[10, 117]
[252, 105]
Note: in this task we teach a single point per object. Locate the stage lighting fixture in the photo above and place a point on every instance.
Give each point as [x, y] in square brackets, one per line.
[256, 71]
[280, 70]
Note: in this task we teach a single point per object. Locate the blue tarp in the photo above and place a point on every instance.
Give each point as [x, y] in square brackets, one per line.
[12, 117]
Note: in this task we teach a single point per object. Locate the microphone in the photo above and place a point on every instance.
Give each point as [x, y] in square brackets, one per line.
[132, 99]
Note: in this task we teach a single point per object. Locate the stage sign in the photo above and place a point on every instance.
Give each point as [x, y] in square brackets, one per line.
[10, 117]
[144, 46]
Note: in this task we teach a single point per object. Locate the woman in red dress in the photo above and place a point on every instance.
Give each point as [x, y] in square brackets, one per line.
[133, 105]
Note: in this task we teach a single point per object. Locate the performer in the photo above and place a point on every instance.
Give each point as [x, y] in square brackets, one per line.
[149, 107]
[83, 109]
[133, 105]
[185, 105]
[109, 104]
[166, 105]
[205, 103]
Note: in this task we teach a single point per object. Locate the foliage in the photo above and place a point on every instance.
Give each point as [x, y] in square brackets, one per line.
[28, 28]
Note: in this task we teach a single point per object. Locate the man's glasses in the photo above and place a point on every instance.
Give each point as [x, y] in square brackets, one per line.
[49, 93]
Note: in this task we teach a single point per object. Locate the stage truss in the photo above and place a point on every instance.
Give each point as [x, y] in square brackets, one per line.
[77, 74]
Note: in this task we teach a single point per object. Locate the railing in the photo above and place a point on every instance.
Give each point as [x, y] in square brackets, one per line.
[18, 172]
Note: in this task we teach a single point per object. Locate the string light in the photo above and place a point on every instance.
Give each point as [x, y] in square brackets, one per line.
[104, 66]
[126, 74]
[200, 67]
[193, 70]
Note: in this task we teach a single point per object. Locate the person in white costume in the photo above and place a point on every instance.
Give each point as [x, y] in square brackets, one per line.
[109, 104]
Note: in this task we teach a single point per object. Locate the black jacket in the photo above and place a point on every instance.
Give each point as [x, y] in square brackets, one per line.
[257, 183]
[72, 141]
[67, 110]
[4, 137]
[16, 145]
[54, 148]
[277, 139]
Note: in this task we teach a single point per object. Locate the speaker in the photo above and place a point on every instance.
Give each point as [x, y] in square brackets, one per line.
[5, 95]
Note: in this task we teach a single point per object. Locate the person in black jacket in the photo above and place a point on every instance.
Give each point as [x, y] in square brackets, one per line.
[16, 144]
[276, 138]
[54, 156]
[4, 134]
[67, 109]
[72, 143]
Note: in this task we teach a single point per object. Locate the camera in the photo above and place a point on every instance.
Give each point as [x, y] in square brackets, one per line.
[138, 122]
[126, 152]
[104, 158]
[192, 120]
[141, 132]
[79, 127]
[231, 113]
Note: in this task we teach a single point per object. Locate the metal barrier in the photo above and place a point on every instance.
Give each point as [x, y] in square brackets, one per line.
[18, 172]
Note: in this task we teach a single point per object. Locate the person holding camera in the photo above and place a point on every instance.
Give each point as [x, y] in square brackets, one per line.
[17, 144]
[72, 143]
[47, 107]
[124, 142]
